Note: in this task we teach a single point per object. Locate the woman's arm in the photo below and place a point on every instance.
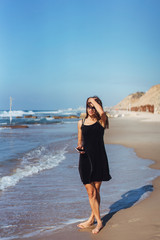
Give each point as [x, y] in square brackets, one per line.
[99, 110]
[80, 142]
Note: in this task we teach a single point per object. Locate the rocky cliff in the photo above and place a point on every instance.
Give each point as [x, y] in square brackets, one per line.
[151, 97]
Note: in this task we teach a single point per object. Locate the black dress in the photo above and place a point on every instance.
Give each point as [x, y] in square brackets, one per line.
[93, 164]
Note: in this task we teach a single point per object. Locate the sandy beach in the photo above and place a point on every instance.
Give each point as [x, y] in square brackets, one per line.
[142, 221]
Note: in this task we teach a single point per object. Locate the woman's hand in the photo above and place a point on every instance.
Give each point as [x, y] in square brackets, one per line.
[100, 110]
[91, 100]
[80, 149]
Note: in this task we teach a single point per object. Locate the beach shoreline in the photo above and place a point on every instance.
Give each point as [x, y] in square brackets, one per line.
[141, 221]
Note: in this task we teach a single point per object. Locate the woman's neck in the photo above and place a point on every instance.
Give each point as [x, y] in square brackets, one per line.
[93, 119]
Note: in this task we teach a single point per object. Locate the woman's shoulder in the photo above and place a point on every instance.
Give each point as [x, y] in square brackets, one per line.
[80, 122]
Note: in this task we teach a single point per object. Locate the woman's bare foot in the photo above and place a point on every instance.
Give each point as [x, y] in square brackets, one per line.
[98, 228]
[86, 224]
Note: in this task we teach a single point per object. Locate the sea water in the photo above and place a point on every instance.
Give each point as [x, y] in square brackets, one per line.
[40, 187]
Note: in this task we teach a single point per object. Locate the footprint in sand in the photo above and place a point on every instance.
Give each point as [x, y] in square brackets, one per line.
[115, 225]
[134, 220]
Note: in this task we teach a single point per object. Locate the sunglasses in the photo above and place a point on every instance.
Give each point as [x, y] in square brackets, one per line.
[90, 107]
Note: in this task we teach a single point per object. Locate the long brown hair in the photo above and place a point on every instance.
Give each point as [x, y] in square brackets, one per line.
[98, 100]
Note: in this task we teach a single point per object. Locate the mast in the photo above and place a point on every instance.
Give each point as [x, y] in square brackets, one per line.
[10, 112]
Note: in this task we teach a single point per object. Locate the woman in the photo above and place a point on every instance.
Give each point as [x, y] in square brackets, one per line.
[93, 162]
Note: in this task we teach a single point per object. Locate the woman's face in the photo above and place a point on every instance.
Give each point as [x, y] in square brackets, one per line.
[91, 109]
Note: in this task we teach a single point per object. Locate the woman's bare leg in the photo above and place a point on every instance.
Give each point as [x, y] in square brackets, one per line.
[90, 220]
[99, 222]
[93, 191]
[97, 186]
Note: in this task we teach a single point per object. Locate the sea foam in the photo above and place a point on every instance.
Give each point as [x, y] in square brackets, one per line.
[20, 113]
[44, 160]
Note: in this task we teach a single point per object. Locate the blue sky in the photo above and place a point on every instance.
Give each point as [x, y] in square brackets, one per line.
[56, 53]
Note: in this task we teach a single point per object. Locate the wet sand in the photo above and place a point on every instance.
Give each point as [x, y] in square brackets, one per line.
[141, 221]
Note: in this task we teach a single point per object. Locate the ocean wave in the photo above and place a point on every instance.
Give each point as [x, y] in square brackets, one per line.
[48, 112]
[49, 119]
[32, 163]
[43, 229]
[20, 113]
[71, 111]
[68, 111]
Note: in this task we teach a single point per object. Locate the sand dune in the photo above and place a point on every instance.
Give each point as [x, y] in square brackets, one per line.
[152, 97]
